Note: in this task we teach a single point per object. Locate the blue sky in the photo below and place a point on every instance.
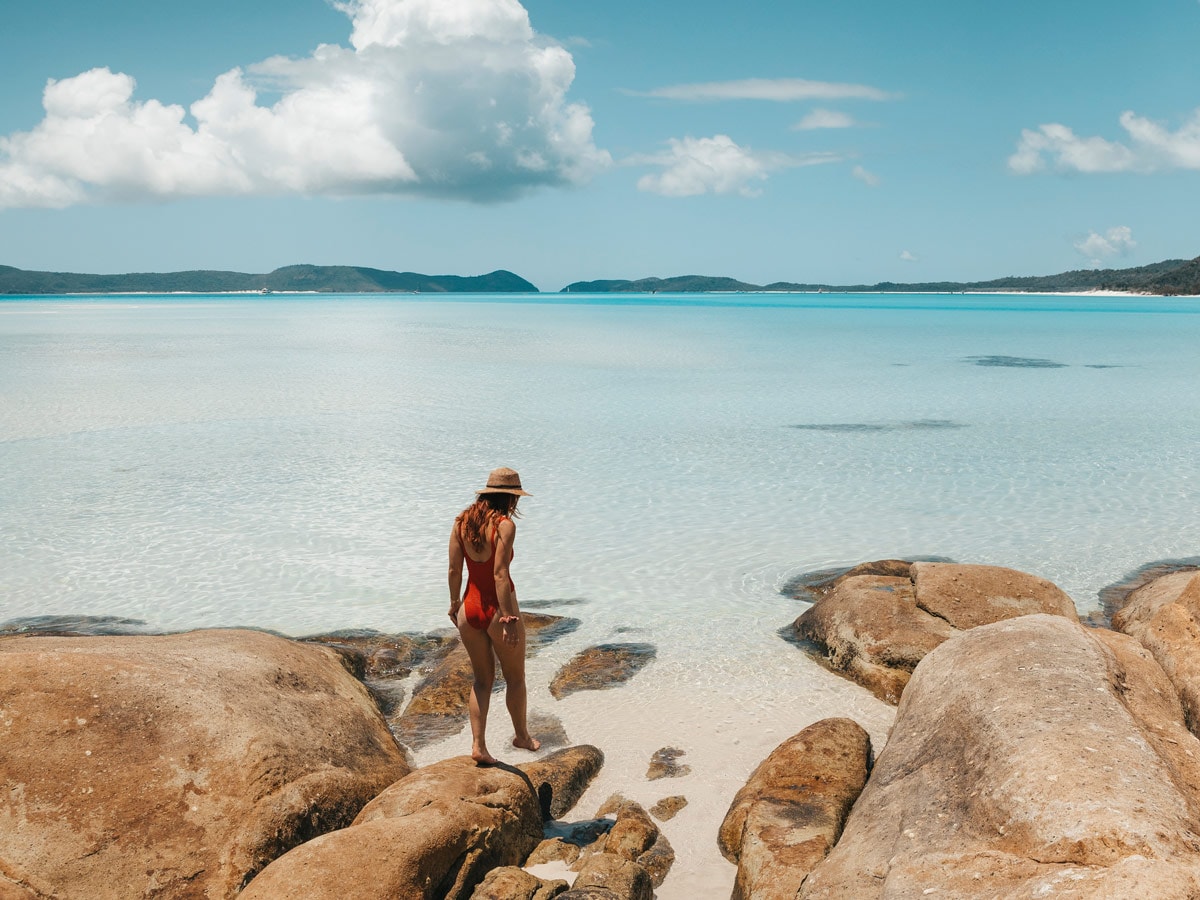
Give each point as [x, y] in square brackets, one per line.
[849, 142]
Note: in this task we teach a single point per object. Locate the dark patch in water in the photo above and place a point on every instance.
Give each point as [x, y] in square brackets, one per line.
[551, 604]
[1103, 366]
[550, 633]
[72, 626]
[812, 586]
[860, 427]
[1015, 362]
[1114, 596]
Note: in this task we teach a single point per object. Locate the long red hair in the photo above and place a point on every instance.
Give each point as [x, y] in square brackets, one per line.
[475, 519]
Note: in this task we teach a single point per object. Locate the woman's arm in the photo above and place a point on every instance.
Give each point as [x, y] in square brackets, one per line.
[506, 536]
[454, 575]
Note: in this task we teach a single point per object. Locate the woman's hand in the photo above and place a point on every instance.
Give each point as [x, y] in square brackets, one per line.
[509, 632]
[454, 607]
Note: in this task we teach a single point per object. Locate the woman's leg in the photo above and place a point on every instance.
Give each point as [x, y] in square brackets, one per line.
[512, 664]
[483, 667]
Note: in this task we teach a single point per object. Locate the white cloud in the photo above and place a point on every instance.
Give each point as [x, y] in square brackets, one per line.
[452, 98]
[1116, 241]
[824, 118]
[715, 165]
[782, 90]
[1150, 147]
[907, 257]
[868, 178]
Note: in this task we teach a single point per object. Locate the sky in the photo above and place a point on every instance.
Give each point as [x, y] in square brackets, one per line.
[566, 140]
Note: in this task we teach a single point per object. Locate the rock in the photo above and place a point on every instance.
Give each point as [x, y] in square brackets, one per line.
[439, 705]
[664, 764]
[548, 728]
[666, 808]
[1164, 617]
[569, 842]
[560, 778]
[601, 667]
[177, 765]
[512, 883]
[386, 656]
[1114, 596]
[553, 850]
[624, 879]
[633, 837]
[1029, 758]
[657, 860]
[969, 596]
[434, 834]
[812, 586]
[875, 628]
[790, 812]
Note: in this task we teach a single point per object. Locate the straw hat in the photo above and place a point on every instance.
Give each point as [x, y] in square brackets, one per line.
[504, 481]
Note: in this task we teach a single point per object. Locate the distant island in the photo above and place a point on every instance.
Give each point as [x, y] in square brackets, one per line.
[320, 279]
[1170, 277]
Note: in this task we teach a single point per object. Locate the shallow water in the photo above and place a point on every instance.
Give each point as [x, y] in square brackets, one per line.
[294, 463]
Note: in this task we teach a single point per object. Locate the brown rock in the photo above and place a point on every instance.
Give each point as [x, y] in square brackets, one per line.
[439, 705]
[790, 812]
[870, 628]
[1114, 596]
[512, 883]
[385, 656]
[666, 808]
[600, 667]
[969, 596]
[876, 628]
[1164, 617]
[812, 586]
[570, 841]
[560, 778]
[626, 880]
[1029, 758]
[177, 765]
[633, 837]
[657, 860]
[435, 834]
[553, 850]
[665, 764]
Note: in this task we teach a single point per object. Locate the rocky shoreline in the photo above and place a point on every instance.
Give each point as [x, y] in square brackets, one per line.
[1032, 755]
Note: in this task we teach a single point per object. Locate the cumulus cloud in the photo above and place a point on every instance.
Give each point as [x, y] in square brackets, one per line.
[824, 118]
[715, 165]
[781, 90]
[907, 256]
[449, 98]
[1116, 241]
[868, 178]
[1149, 147]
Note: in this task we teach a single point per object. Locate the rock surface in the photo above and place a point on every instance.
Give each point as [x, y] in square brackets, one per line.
[622, 879]
[666, 808]
[177, 765]
[788, 816]
[633, 837]
[512, 883]
[560, 778]
[601, 667]
[1164, 617]
[665, 764]
[875, 628]
[1115, 596]
[1029, 758]
[434, 834]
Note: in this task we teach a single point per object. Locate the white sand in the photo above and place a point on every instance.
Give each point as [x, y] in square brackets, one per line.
[726, 722]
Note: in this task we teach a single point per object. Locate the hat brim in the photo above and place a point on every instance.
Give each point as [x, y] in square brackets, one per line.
[498, 490]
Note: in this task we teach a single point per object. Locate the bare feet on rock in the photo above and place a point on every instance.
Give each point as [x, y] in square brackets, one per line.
[482, 757]
[529, 742]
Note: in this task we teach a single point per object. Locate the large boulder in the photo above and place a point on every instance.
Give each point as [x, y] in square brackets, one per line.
[1029, 758]
[1164, 616]
[431, 836]
[512, 883]
[560, 778]
[790, 812]
[878, 620]
[177, 765]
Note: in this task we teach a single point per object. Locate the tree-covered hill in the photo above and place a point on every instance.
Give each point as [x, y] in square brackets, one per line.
[323, 279]
[1172, 276]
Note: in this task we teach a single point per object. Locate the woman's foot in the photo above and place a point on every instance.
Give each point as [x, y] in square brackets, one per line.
[529, 742]
[482, 757]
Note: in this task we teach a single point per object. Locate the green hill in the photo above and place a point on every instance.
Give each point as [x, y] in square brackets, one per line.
[1172, 276]
[323, 279]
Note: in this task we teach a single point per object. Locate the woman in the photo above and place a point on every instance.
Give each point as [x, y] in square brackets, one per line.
[486, 614]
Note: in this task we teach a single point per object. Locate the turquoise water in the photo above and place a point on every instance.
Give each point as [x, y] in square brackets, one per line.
[294, 462]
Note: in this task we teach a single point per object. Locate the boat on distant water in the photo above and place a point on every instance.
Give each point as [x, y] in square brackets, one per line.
[265, 291]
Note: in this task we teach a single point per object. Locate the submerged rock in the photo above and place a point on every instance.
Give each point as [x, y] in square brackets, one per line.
[432, 835]
[875, 628]
[601, 667]
[387, 656]
[177, 765]
[1164, 617]
[667, 808]
[1114, 596]
[665, 764]
[1031, 757]
[790, 812]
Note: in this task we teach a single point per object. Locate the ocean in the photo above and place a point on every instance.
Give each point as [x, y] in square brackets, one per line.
[295, 463]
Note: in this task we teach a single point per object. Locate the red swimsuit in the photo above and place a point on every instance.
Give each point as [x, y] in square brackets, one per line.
[480, 601]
